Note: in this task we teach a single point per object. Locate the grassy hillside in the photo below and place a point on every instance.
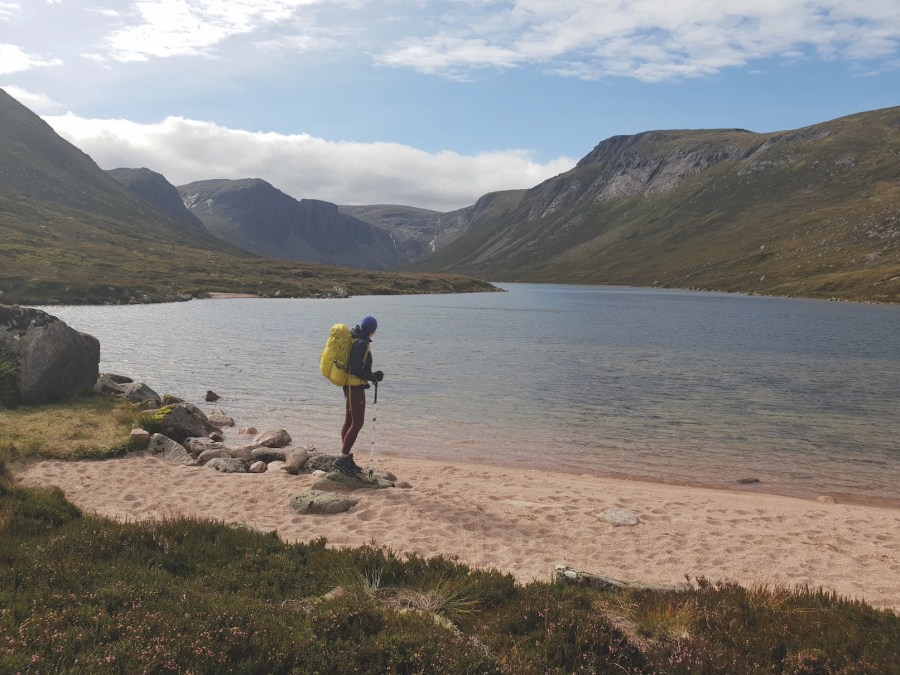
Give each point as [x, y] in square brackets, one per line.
[70, 233]
[53, 255]
[813, 213]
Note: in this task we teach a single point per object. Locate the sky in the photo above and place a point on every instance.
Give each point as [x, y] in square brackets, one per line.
[429, 103]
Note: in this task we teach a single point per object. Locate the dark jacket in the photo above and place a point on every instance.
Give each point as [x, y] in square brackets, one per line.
[361, 357]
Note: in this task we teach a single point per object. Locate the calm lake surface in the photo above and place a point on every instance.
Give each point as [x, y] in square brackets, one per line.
[697, 388]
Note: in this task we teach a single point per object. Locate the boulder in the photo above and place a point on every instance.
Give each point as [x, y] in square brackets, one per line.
[265, 454]
[258, 467]
[276, 466]
[361, 480]
[42, 359]
[316, 501]
[137, 392]
[217, 436]
[321, 462]
[195, 446]
[295, 461]
[226, 465]
[274, 439]
[118, 379]
[178, 422]
[168, 449]
[107, 385]
[243, 454]
[213, 453]
[211, 396]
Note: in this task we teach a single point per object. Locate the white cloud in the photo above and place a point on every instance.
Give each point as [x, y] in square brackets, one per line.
[650, 40]
[14, 60]
[7, 9]
[178, 27]
[304, 166]
[36, 102]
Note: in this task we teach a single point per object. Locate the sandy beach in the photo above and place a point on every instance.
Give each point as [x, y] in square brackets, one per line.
[525, 522]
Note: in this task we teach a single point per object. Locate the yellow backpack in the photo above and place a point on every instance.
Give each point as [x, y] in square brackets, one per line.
[334, 363]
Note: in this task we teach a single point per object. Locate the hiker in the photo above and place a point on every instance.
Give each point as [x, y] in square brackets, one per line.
[361, 374]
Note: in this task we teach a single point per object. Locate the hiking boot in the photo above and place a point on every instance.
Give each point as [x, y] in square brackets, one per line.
[346, 465]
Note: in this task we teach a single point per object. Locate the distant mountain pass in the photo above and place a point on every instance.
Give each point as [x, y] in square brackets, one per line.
[257, 217]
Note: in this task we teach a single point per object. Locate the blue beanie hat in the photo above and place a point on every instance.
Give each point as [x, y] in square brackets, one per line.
[368, 325]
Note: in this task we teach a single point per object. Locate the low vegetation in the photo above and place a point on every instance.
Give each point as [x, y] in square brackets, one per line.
[81, 593]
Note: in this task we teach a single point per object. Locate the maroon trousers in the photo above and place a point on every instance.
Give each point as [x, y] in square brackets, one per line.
[355, 417]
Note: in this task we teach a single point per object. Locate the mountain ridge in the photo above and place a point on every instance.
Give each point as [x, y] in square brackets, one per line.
[811, 212]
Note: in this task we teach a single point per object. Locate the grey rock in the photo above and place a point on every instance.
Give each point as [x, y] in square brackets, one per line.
[618, 517]
[259, 467]
[194, 409]
[296, 460]
[226, 465]
[317, 501]
[360, 480]
[118, 379]
[321, 462]
[168, 449]
[265, 454]
[108, 386]
[139, 439]
[213, 453]
[211, 396]
[53, 361]
[138, 392]
[277, 438]
[220, 419]
[243, 454]
[197, 445]
[182, 421]
[217, 436]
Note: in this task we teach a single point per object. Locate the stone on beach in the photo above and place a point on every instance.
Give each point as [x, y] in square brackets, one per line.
[277, 438]
[226, 465]
[169, 449]
[321, 502]
[618, 517]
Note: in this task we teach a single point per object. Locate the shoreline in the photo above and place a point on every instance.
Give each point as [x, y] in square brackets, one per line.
[524, 521]
[759, 488]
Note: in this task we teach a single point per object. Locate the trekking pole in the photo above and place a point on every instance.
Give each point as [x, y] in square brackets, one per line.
[374, 427]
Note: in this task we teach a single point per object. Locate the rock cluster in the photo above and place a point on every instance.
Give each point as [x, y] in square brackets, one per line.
[181, 433]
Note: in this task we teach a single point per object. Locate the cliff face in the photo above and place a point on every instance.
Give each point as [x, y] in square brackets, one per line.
[257, 217]
[812, 211]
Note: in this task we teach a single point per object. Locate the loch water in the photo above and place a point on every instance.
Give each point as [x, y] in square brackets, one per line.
[673, 386]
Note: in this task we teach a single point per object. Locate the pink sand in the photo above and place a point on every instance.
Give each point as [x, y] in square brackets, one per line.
[525, 522]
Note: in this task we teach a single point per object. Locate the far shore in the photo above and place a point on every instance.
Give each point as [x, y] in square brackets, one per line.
[525, 522]
[227, 296]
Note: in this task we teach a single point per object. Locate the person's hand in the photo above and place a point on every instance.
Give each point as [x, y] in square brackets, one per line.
[378, 375]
